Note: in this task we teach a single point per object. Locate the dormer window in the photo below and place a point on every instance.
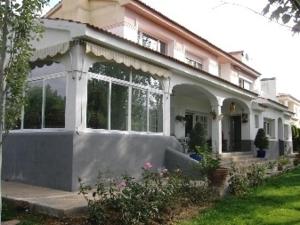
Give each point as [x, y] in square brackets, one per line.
[194, 61]
[153, 43]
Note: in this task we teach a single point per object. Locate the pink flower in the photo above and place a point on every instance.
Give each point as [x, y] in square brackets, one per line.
[147, 166]
[121, 185]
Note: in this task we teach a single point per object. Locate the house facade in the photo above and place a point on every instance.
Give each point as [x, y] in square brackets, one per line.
[115, 83]
[293, 105]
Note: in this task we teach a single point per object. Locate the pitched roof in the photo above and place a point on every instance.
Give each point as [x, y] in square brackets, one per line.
[195, 35]
[157, 53]
[184, 29]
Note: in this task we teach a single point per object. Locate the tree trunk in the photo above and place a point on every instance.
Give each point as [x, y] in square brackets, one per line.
[3, 53]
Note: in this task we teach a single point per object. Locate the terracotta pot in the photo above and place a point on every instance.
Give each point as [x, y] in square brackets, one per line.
[218, 176]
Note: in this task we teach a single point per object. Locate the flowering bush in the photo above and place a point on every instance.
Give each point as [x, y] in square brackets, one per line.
[132, 201]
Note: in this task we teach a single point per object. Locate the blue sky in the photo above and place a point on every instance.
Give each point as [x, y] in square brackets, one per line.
[232, 25]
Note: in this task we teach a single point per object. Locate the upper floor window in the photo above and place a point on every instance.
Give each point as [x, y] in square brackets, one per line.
[194, 61]
[151, 42]
[244, 84]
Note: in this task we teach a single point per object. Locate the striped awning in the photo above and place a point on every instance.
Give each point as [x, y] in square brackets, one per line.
[129, 61]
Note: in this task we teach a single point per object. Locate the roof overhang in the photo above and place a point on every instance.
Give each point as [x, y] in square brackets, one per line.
[104, 38]
[158, 18]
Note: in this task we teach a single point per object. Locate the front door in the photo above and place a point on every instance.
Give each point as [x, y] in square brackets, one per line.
[188, 124]
[235, 134]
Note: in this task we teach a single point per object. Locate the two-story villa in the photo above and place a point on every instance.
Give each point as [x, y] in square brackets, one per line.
[111, 82]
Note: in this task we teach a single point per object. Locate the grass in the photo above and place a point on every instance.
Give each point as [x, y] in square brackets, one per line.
[26, 217]
[276, 202]
[9, 213]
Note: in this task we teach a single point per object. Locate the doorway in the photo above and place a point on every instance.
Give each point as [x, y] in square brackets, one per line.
[188, 124]
[235, 134]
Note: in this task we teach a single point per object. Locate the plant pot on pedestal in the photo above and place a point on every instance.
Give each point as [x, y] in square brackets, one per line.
[261, 153]
[218, 176]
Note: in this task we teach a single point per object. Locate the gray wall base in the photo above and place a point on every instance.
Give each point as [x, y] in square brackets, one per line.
[42, 159]
[178, 160]
[58, 159]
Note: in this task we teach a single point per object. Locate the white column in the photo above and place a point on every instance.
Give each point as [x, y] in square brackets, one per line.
[167, 107]
[76, 90]
[167, 114]
[216, 136]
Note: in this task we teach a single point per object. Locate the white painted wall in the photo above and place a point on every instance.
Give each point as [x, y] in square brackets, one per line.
[181, 104]
[268, 88]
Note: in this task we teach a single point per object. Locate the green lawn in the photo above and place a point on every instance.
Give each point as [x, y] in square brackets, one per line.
[276, 202]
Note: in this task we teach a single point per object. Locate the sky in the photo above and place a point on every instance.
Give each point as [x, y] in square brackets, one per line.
[234, 25]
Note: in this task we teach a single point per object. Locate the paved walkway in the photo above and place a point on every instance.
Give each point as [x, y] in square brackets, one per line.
[44, 200]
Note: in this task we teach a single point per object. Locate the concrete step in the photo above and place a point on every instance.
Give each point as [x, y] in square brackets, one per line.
[243, 159]
[44, 200]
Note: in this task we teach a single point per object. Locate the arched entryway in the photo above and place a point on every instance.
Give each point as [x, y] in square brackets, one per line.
[191, 104]
[235, 126]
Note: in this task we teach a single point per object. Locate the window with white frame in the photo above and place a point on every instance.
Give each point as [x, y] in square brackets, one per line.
[153, 43]
[123, 98]
[194, 60]
[269, 127]
[45, 99]
[245, 84]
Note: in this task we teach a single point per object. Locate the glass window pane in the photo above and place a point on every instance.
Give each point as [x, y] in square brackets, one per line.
[55, 99]
[33, 107]
[119, 107]
[247, 85]
[111, 69]
[145, 79]
[156, 112]
[97, 105]
[139, 110]
[46, 70]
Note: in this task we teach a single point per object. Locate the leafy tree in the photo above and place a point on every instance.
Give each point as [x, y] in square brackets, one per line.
[261, 140]
[296, 138]
[288, 11]
[18, 26]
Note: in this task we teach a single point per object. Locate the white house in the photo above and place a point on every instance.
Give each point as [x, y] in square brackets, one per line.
[110, 82]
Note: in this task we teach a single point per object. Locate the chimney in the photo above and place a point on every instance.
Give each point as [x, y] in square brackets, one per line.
[268, 88]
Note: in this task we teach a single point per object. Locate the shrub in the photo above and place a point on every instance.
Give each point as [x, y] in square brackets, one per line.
[209, 161]
[238, 183]
[296, 138]
[132, 201]
[256, 174]
[261, 140]
[198, 136]
[243, 178]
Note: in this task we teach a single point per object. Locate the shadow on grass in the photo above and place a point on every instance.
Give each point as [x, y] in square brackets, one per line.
[276, 202]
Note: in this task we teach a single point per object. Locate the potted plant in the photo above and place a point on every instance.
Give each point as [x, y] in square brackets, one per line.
[244, 118]
[210, 166]
[213, 115]
[261, 142]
